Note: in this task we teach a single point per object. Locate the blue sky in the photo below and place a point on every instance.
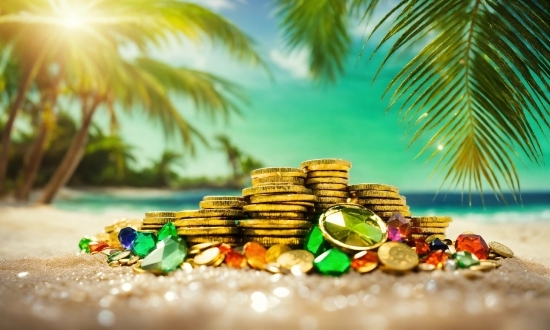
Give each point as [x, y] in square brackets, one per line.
[291, 119]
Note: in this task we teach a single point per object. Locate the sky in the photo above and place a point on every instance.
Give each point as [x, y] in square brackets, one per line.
[290, 118]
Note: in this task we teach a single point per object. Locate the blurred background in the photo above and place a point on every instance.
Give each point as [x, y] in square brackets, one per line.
[190, 105]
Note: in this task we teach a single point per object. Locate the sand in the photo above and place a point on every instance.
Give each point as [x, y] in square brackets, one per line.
[45, 284]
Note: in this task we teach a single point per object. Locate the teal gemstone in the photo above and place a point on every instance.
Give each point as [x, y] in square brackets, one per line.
[84, 244]
[144, 243]
[465, 259]
[167, 230]
[315, 242]
[168, 255]
[332, 262]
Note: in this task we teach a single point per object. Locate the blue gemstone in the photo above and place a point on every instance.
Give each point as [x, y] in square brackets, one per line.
[437, 244]
[127, 236]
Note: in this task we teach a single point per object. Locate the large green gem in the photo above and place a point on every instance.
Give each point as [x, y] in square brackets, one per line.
[332, 262]
[465, 259]
[353, 227]
[167, 256]
[84, 244]
[167, 230]
[315, 242]
[144, 243]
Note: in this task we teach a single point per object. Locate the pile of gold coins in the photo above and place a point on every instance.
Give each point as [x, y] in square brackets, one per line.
[328, 180]
[154, 220]
[382, 199]
[215, 221]
[110, 235]
[279, 207]
[429, 227]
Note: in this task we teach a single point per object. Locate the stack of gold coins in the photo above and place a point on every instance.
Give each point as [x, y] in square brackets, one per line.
[154, 220]
[279, 203]
[214, 222]
[382, 199]
[110, 235]
[429, 227]
[328, 179]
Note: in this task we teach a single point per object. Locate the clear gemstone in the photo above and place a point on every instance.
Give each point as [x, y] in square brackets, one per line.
[167, 256]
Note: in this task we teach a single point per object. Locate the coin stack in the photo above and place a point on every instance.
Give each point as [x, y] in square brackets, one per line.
[429, 227]
[328, 179]
[279, 203]
[154, 220]
[110, 235]
[214, 222]
[382, 199]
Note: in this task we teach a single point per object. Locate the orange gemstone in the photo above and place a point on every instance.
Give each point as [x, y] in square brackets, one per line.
[421, 246]
[437, 259]
[365, 262]
[255, 255]
[225, 248]
[235, 259]
[98, 246]
[474, 244]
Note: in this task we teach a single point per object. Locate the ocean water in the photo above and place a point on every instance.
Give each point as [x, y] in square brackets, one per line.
[534, 207]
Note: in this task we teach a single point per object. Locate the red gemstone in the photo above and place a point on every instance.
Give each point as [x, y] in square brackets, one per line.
[98, 246]
[235, 259]
[399, 227]
[437, 259]
[225, 248]
[421, 246]
[474, 244]
[367, 260]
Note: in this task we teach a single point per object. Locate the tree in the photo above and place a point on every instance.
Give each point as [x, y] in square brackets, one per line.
[233, 154]
[480, 86]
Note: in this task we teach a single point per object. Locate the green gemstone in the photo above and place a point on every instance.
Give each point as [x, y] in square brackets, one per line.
[352, 226]
[465, 259]
[315, 242]
[167, 230]
[84, 244]
[167, 256]
[332, 262]
[144, 243]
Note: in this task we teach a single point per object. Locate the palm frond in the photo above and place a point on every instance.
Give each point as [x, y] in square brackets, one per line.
[480, 87]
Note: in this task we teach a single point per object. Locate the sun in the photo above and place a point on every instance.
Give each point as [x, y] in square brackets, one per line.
[72, 20]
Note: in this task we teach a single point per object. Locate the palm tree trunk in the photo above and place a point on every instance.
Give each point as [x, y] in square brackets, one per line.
[72, 157]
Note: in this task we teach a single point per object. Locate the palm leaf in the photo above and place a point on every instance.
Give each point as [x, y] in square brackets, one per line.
[479, 88]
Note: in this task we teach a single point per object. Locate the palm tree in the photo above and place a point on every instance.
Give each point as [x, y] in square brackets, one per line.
[480, 87]
[233, 154]
[42, 33]
[162, 167]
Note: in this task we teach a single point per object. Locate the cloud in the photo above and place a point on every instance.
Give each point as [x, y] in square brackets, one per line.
[296, 62]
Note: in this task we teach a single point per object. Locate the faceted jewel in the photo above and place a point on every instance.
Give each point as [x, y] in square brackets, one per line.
[465, 259]
[126, 237]
[84, 244]
[143, 244]
[167, 256]
[399, 227]
[437, 258]
[315, 242]
[474, 244]
[438, 245]
[167, 230]
[333, 262]
[98, 246]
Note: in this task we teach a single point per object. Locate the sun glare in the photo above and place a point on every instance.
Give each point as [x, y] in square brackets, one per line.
[73, 20]
[440, 147]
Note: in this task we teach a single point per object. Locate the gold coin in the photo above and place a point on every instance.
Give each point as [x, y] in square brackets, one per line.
[492, 262]
[389, 214]
[377, 194]
[277, 215]
[330, 193]
[275, 232]
[430, 224]
[207, 222]
[202, 246]
[380, 201]
[397, 256]
[222, 198]
[482, 267]
[501, 249]
[328, 186]
[282, 198]
[270, 241]
[274, 207]
[274, 223]
[207, 256]
[275, 251]
[432, 238]
[325, 161]
[301, 258]
[209, 213]
[277, 171]
[109, 228]
[160, 214]
[218, 261]
[273, 189]
[158, 220]
[324, 206]
[327, 174]
[430, 230]
[326, 180]
[272, 180]
[388, 208]
[191, 231]
[332, 200]
[232, 240]
[328, 167]
[154, 227]
[221, 204]
[373, 186]
[306, 204]
[147, 231]
[431, 219]
[272, 268]
[426, 267]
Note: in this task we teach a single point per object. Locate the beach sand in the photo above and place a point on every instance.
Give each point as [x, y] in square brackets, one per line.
[45, 284]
